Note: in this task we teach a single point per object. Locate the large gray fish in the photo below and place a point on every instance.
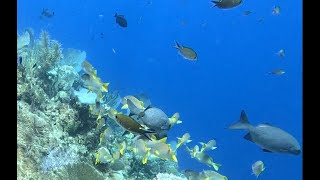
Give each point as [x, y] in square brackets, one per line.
[155, 118]
[226, 4]
[268, 137]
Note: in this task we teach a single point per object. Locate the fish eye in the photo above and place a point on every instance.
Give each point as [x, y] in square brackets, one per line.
[116, 116]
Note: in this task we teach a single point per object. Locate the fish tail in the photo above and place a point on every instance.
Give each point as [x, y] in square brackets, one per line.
[174, 157]
[243, 123]
[216, 166]
[215, 4]
[150, 131]
[105, 87]
[145, 135]
[177, 46]
[125, 106]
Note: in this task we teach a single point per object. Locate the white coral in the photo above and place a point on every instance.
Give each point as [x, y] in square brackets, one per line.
[63, 76]
[85, 97]
[23, 40]
[73, 57]
[166, 176]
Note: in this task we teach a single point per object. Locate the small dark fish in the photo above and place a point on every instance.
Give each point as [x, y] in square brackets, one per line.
[34, 65]
[246, 13]
[277, 72]
[226, 4]
[261, 20]
[19, 60]
[121, 20]
[47, 13]
[186, 52]
[276, 10]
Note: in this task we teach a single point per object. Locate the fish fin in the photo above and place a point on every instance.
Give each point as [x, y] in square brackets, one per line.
[248, 137]
[145, 135]
[125, 106]
[148, 107]
[140, 115]
[105, 87]
[177, 46]
[214, 4]
[166, 129]
[268, 124]
[145, 159]
[131, 114]
[149, 131]
[179, 122]
[115, 15]
[141, 103]
[174, 157]
[125, 132]
[153, 137]
[216, 166]
[265, 150]
[99, 116]
[163, 140]
[243, 123]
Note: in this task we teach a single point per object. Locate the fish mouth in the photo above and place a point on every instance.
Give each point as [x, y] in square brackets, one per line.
[296, 152]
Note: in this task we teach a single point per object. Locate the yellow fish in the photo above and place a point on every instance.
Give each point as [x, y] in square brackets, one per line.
[136, 102]
[204, 158]
[142, 150]
[88, 68]
[103, 156]
[105, 135]
[175, 119]
[184, 140]
[212, 175]
[94, 84]
[212, 144]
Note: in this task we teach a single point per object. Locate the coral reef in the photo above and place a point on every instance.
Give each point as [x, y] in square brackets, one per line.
[57, 136]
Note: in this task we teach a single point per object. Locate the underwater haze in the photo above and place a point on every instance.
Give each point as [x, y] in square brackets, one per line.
[238, 67]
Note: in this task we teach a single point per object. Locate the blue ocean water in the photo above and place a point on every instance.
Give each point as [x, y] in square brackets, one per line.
[235, 53]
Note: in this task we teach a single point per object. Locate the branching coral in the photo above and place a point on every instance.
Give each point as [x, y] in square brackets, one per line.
[38, 60]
